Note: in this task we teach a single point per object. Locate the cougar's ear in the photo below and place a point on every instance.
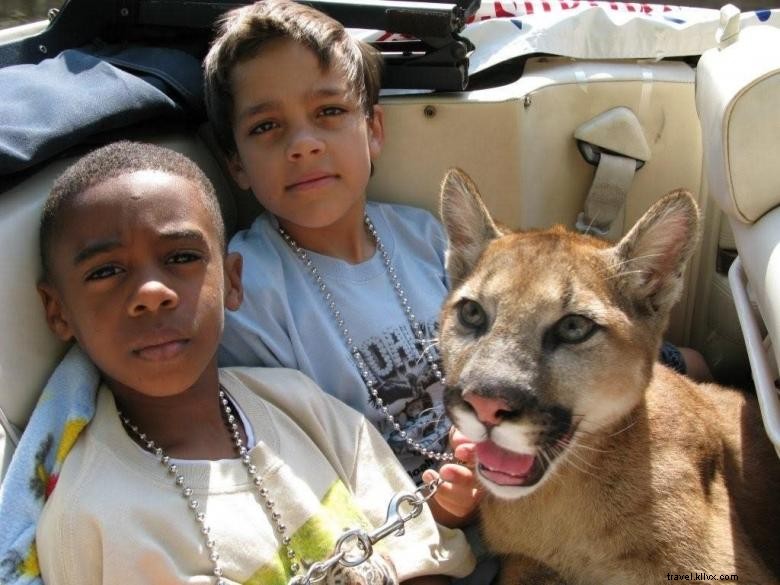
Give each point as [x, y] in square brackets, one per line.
[650, 260]
[467, 222]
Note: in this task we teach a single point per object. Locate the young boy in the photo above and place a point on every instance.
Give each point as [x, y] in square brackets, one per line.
[345, 291]
[241, 475]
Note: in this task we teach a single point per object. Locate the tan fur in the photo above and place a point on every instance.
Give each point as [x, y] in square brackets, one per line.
[661, 476]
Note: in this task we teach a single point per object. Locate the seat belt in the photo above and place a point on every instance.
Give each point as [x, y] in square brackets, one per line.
[11, 431]
[615, 143]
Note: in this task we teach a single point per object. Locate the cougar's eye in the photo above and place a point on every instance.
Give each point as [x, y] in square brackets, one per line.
[471, 314]
[574, 329]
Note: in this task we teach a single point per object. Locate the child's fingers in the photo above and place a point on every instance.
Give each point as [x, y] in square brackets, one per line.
[463, 448]
[466, 452]
[429, 475]
[457, 474]
[452, 474]
[458, 491]
[458, 497]
[458, 483]
[458, 438]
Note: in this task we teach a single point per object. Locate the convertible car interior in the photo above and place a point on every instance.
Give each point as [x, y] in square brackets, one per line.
[544, 122]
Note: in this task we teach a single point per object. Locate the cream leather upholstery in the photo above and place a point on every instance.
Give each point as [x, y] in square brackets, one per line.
[517, 142]
[737, 94]
[737, 89]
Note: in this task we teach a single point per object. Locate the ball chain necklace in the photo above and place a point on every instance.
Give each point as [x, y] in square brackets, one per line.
[370, 381]
[187, 491]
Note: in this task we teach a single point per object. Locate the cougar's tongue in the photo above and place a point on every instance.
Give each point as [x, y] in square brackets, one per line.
[502, 466]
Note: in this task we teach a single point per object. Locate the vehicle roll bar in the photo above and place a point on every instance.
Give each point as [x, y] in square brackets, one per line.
[434, 57]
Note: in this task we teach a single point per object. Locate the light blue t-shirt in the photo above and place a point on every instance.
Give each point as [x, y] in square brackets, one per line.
[284, 321]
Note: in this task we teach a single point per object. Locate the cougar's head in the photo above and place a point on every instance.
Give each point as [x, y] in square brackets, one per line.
[549, 337]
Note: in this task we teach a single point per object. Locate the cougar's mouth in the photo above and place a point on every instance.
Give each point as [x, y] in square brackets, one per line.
[509, 468]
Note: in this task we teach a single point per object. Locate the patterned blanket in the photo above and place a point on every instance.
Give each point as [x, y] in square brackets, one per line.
[65, 407]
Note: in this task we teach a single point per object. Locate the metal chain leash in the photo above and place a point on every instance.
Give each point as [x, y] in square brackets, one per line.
[356, 546]
[372, 384]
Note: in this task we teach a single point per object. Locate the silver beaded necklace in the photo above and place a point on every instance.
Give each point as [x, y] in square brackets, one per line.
[357, 357]
[200, 517]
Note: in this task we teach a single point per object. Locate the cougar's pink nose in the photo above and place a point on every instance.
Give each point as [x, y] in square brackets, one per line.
[489, 411]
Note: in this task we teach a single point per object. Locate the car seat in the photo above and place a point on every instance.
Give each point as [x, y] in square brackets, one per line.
[737, 94]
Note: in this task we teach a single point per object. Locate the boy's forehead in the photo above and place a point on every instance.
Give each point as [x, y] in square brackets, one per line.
[134, 196]
[136, 184]
[142, 189]
[282, 66]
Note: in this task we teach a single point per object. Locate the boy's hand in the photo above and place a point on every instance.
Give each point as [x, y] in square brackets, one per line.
[455, 502]
[463, 448]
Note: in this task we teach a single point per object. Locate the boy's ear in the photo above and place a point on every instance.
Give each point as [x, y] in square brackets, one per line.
[376, 132]
[55, 314]
[236, 168]
[234, 289]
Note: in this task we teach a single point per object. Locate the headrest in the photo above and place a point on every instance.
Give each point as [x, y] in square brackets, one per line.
[737, 98]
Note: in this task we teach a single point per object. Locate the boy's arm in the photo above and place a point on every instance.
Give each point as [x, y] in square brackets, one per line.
[257, 334]
[245, 342]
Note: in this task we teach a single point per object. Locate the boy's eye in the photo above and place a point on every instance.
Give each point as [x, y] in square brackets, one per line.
[332, 111]
[103, 272]
[263, 127]
[183, 257]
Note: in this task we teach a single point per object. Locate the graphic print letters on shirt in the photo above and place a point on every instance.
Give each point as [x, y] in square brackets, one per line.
[410, 390]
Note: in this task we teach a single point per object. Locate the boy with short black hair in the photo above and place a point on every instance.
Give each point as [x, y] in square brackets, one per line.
[239, 475]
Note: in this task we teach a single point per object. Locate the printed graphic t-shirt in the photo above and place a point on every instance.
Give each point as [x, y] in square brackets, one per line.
[284, 321]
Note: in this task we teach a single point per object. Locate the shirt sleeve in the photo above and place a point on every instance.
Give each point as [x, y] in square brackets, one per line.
[244, 344]
[440, 243]
[257, 334]
[68, 544]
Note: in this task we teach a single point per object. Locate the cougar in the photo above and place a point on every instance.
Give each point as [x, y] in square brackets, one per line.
[599, 465]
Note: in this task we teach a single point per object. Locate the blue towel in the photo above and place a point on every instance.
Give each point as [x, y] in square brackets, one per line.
[65, 407]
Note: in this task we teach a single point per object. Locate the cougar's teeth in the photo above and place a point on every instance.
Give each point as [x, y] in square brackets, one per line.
[496, 458]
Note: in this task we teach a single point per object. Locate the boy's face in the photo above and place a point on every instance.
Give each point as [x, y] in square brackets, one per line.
[304, 142]
[139, 279]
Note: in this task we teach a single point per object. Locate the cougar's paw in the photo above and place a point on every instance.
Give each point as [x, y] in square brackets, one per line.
[378, 570]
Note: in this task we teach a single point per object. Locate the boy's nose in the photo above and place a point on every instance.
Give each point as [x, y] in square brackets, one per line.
[152, 295]
[304, 143]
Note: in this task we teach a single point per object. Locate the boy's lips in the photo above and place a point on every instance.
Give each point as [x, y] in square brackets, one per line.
[311, 181]
[161, 348]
